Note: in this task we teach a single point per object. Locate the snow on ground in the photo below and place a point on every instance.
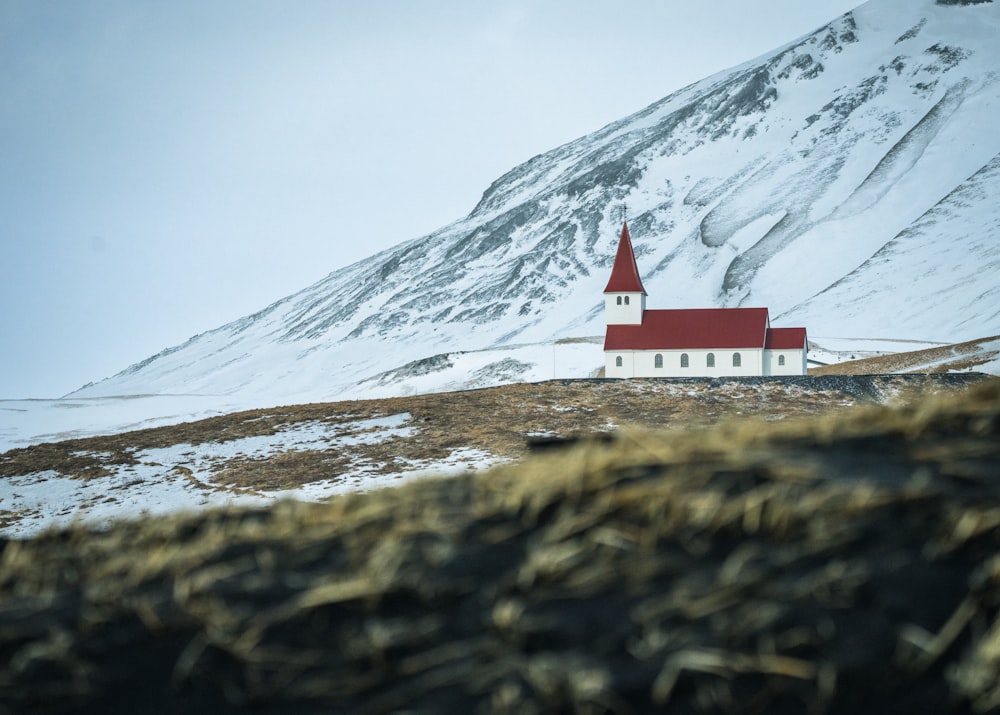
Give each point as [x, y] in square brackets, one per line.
[365, 479]
[24, 422]
[180, 477]
[992, 367]
[832, 350]
[981, 356]
[302, 437]
[474, 369]
[47, 499]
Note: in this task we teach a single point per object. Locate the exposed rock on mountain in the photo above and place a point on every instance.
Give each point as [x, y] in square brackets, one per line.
[844, 181]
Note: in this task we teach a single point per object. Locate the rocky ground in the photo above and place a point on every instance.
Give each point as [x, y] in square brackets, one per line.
[846, 562]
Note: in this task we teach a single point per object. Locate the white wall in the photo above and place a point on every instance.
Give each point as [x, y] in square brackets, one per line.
[795, 362]
[628, 364]
[630, 314]
[641, 363]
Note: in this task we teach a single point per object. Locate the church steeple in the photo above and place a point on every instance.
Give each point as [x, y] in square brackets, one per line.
[625, 273]
[624, 296]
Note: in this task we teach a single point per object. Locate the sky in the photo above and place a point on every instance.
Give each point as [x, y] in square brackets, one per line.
[167, 167]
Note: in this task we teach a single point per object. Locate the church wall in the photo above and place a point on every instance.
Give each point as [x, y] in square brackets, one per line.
[642, 363]
[795, 362]
[628, 364]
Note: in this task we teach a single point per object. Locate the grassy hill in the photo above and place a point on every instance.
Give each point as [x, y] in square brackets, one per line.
[499, 421]
[844, 562]
[970, 355]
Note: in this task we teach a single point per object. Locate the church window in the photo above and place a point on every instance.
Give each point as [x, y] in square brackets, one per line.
[618, 361]
[658, 360]
[781, 359]
[737, 361]
[710, 360]
[684, 360]
[626, 300]
[619, 300]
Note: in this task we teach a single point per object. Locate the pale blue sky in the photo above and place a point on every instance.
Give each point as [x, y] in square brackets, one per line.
[166, 167]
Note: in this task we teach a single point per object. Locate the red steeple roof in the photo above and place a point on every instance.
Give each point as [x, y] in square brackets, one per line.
[625, 272]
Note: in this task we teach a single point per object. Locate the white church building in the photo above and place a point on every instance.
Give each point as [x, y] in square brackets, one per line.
[701, 342]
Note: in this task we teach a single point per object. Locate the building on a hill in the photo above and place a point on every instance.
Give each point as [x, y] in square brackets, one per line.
[701, 342]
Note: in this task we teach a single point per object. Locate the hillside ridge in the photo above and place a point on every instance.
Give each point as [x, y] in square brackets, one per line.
[844, 563]
[322, 450]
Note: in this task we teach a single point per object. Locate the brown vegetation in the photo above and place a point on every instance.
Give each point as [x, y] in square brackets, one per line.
[842, 563]
[498, 420]
[947, 358]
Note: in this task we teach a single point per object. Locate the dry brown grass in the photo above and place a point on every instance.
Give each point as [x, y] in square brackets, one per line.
[843, 563]
[948, 358]
[498, 421]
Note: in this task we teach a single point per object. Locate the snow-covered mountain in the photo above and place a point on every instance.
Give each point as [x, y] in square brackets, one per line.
[847, 181]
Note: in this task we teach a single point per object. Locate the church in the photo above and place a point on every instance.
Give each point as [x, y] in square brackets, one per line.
[701, 342]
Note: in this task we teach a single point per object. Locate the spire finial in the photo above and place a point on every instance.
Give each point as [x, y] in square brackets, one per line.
[624, 212]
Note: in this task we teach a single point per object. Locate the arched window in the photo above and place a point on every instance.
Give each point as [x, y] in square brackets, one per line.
[710, 360]
[626, 300]
[684, 359]
[658, 360]
[619, 300]
[781, 359]
[737, 361]
[618, 361]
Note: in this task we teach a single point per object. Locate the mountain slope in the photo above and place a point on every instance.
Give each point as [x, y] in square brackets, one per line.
[967, 220]
[842, 180]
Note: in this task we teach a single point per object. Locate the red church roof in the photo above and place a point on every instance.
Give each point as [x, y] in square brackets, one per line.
[785, 339]
[695, 329]
[625, 273]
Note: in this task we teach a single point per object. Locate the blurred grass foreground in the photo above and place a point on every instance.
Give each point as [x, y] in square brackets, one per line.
[847, 563]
